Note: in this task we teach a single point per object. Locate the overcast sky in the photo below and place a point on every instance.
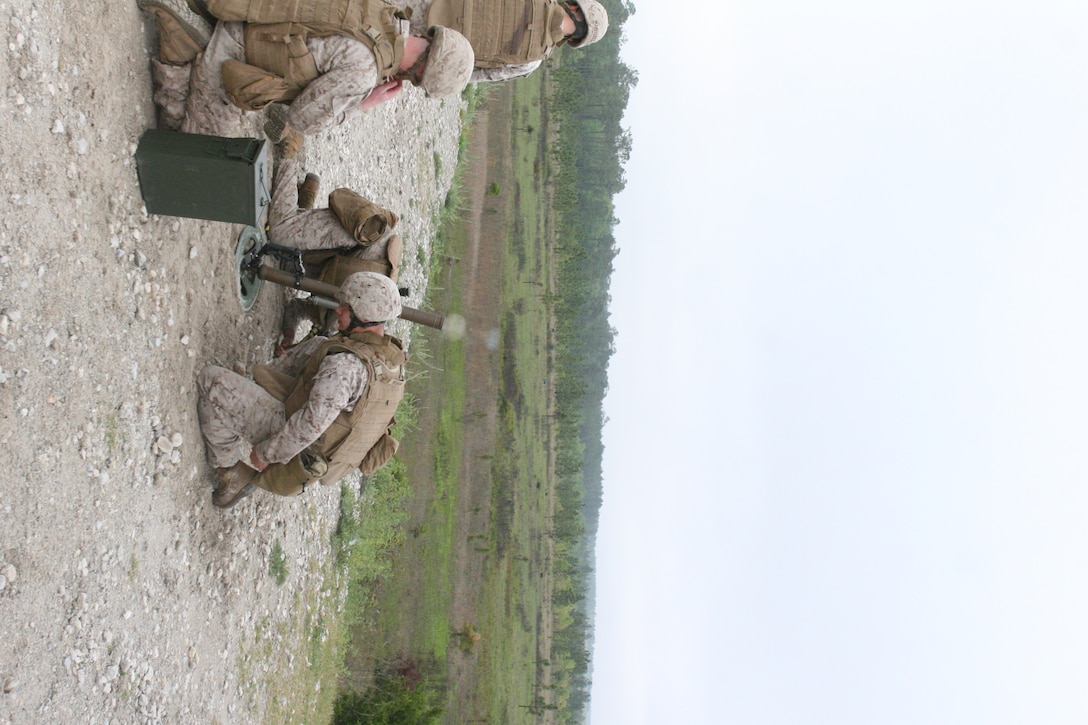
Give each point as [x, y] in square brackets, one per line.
[846, 468]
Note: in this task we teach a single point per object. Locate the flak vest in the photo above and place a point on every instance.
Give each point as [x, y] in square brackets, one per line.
[503, 32]
[276, 33]
[358, 438]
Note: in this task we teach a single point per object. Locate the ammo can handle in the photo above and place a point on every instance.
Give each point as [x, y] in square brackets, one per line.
[313, 286]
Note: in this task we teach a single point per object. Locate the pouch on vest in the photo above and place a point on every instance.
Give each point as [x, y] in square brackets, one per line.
[376, 23]
[280, 48]
[365, 220]
[379, 454]
[289, 479]
[252, 88]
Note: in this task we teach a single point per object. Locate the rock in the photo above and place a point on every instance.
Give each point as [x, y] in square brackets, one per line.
[176, 440]
[164, 445]
[3, 582]
[8, 571]
[11, 685]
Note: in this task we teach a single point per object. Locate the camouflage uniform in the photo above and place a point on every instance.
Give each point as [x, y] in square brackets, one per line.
[237, 415]
[192, 98]
[479, 75]
[310, 230]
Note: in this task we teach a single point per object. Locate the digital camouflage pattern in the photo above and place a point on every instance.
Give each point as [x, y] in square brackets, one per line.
[331, 253]
[419, 26]
[372, 297]
[597, 20]
[375, 23]
[237, 415]
[193, 98]
[449, 63]
[358, 437]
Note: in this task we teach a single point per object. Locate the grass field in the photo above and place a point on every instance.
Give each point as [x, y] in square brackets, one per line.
[467, 588]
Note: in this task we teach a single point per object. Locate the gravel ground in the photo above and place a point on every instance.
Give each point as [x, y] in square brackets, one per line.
[125, 596]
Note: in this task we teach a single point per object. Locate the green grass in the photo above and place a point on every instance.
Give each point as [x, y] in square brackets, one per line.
[371, 525]
[408, 601]
[277, 564]
[401, 695]
[508, 650]
[302, 689]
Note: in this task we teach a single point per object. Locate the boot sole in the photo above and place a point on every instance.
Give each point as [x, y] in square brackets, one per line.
[195, 26]
[241, 494]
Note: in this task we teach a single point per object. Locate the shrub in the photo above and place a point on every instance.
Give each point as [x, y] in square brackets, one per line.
[400, 695]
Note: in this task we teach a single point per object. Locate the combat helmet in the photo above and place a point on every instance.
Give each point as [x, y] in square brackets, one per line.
[372, 297]
[449, 63]
[596, 22]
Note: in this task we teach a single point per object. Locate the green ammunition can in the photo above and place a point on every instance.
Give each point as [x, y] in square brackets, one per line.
[204, 177]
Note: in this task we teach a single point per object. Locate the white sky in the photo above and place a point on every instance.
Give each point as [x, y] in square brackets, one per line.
[846, 468]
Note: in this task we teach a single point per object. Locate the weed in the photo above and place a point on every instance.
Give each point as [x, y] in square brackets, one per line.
[277, 564]
[401, 695]
[112, 438]
[493, 189]
[365, 542]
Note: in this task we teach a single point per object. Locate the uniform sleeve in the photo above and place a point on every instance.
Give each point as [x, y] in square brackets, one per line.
[503, 73]
[339, 382]
[295, 359]
[349, 73]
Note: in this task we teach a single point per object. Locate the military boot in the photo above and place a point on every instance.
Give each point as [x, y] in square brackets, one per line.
[235, 483]
[182, 33]
[200, 7]
[288, 141]
[307, 191]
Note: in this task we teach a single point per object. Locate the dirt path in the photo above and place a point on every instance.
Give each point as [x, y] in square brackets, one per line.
[126, 596]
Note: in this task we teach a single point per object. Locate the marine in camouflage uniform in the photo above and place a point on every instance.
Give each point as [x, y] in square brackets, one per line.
[251, 438]
[193, 96]
[583, 23]
[356, 235]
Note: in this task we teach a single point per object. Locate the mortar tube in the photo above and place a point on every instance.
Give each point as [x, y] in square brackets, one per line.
[329, 291]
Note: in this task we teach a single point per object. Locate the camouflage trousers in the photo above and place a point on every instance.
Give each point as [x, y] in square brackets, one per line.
[234, 413]
[192, 97]
[306, 229]
[309, 230]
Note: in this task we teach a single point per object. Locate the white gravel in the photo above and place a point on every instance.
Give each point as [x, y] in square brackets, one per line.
[125, 597]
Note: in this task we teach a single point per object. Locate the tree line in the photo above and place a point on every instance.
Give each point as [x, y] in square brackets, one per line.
[586, 98]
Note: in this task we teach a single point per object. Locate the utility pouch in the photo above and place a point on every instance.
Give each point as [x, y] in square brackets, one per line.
[252, 88]
[364, 220]
[379, 454]
[290, 479]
